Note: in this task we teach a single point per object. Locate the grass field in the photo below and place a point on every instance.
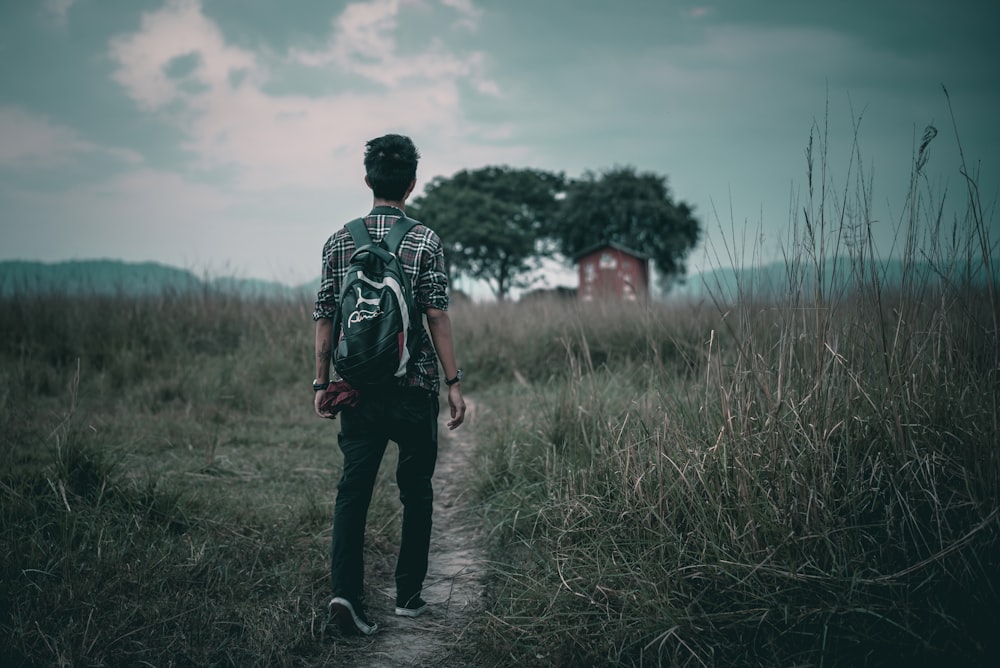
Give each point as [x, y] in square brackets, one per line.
[805, 477]
[765, 495]
[806, 480]
[166, 496]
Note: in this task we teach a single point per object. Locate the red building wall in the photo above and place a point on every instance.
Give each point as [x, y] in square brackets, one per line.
[612, 273]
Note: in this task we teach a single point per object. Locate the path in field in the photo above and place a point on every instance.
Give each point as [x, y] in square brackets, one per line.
[453, 587]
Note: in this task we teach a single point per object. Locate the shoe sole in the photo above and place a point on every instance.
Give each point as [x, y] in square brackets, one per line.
[348, 621]
[411, 612]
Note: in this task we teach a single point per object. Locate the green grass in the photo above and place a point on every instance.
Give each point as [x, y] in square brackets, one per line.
[166, 491]
[668, 485]
[756, 514]
[804, 480]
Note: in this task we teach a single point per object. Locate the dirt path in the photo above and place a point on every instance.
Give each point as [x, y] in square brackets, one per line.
[453, 586]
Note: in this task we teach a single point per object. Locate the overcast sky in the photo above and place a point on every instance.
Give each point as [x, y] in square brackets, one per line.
[226, 136]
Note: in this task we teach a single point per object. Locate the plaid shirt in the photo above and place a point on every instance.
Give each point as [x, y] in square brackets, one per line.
[422, 258]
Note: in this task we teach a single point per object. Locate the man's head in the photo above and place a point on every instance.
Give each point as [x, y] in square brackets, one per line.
[391, 166]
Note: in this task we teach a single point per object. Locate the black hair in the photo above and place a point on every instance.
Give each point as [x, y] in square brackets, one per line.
[391, 165]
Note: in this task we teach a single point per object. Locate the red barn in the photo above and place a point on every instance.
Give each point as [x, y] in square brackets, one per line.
[612, 271]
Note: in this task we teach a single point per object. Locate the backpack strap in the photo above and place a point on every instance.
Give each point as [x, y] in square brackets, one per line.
[359, 233]
[393, 238]
[399, 229]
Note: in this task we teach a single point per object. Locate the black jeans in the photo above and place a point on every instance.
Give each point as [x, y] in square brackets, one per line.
[408, 416]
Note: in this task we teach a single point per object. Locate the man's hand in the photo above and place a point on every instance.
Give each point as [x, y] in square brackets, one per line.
[457, 405]
[317, 400]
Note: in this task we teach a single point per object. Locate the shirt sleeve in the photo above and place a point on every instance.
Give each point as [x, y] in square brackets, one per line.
[326, 298]
[431, 290]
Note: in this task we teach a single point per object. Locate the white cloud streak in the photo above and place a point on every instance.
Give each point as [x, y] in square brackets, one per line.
[285, 168]
[33, 142]
[362, 43]
[176, 30]
[136, 215]
[273, 141]
[58, 10]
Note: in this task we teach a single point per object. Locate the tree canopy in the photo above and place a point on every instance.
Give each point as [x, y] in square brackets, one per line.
[634, 209]
[497, 223]
[494, 222]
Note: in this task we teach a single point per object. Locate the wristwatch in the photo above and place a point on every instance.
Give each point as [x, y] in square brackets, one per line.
[451, 381]
[317, 386]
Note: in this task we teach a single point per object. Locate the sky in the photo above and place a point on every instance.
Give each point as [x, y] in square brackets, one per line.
[226, 136]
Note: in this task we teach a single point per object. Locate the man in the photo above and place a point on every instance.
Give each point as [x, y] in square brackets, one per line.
[405, 412]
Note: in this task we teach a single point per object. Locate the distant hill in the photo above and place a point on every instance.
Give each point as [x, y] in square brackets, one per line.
[110, 277]
[838, 277]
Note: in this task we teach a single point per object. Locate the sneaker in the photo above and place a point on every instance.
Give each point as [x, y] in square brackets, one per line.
[351, 617]
[411, 607]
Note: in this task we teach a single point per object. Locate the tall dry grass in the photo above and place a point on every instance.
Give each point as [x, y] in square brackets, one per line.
[166, 493]
[804, 478]
[810, 479]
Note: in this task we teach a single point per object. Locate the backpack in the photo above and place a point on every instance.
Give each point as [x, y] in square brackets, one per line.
[372, 327]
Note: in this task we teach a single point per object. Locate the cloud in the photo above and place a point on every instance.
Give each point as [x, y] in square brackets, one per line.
[179, 67]
[58, 10]
[363, 43]
[177, 30]
[769, 72]
[469, 15]
[150, 214]
[34, 142]
[136, 215]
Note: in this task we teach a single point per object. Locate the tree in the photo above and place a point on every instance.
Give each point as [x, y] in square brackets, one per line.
[633, 209]
[493, 221]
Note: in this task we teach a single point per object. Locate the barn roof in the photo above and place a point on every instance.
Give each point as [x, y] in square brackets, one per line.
[610, 244]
